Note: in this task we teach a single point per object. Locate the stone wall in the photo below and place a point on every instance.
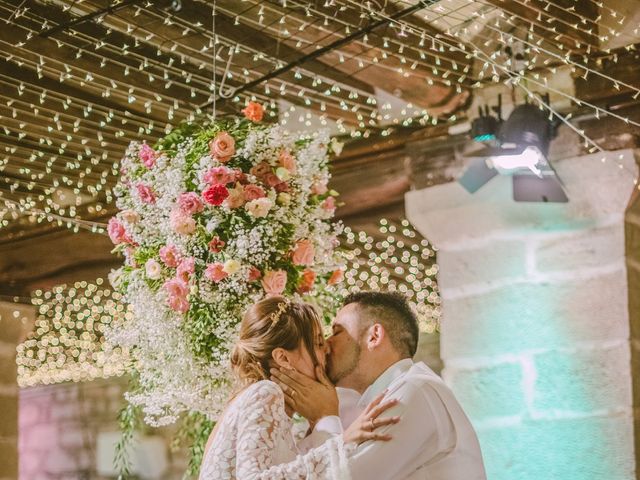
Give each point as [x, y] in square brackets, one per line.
[59, 427]
[535, 325]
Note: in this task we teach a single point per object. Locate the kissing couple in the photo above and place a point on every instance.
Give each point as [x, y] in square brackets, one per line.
[373, 413]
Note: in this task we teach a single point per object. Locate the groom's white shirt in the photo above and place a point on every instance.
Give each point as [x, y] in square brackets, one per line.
[434, 439]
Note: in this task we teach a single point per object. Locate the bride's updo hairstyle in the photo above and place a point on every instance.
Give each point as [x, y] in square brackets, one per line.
[274, 322]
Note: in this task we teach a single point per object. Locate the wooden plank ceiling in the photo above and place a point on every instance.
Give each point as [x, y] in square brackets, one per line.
[71, 101]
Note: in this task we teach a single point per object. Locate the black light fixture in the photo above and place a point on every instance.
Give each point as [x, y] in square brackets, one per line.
[523, 144]
[485, 127]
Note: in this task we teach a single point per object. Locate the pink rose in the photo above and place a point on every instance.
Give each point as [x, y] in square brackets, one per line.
[319, 187]
[287, 161]
[148, 155]
[215, 272]
[260, 170]
[304, 253]
[117, 232]
[215, 194]
[307, 279]
[253, 192]
[336, 277]
[253, 111]
[182, 223]
[177, 292]
[186, 267]
[220, 175]
[329, 204]
[222, 147]
[236, 197]
[274, 282]
[190, 203]
[170, 256]
[216, 245]
[254, 274]
[271, 179]
[145, 193]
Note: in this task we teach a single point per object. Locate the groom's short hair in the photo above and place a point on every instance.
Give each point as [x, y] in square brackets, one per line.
[393, 312]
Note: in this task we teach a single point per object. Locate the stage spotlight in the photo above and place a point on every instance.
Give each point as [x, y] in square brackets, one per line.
[522, 153]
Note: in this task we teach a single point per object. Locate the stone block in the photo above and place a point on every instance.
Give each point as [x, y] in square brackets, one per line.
[585, 249]
[60, 462]
[583, 381]
[489, 392]
[593, 448]
[522, 317]
[502, 260]
[73, 437]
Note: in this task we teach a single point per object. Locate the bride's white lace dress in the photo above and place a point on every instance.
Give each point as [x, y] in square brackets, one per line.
[254, 441]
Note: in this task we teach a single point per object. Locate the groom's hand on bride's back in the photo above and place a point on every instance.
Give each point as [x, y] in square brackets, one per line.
[311, 398]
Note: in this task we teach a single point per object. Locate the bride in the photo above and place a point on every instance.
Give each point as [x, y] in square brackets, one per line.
[253, 438]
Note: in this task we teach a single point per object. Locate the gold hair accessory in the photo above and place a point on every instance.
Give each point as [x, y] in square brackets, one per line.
[275, 316]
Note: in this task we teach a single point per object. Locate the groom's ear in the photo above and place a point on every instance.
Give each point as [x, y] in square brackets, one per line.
[281, 358]
[375, 335]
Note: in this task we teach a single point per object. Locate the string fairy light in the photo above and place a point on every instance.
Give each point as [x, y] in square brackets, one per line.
[67, 343]
[71, 139]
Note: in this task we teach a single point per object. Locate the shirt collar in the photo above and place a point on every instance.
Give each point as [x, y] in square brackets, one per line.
[384, 380]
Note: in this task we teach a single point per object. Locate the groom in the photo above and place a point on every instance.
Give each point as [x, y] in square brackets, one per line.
[375, 335]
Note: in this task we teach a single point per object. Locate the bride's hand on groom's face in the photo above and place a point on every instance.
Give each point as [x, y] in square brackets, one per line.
[310, 398]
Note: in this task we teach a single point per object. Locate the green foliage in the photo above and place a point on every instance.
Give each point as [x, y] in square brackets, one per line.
[129, 420]
[194, 433]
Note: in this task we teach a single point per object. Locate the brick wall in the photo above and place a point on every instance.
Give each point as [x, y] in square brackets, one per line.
[535, 325]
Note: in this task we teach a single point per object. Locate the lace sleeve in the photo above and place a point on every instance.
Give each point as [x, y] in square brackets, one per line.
[263, 426]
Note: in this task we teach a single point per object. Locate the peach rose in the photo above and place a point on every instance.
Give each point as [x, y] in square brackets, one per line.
[304, 253]
[170, 256]
[186, 268]
[260, 170]
[329, 204]
[336, 277]
[287, 161]
[222, 147]
[253, 111]
[130, 216]
[253, 192]
[215, 272]
[307, 279]
[182, 223]
[236, 197]
[259, 207]
[319, 187]
[274, 282]
[271, 179]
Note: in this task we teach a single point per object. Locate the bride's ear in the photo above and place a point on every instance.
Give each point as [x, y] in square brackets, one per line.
[281, 358]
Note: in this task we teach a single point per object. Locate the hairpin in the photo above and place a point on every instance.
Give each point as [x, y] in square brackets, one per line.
[275, 316]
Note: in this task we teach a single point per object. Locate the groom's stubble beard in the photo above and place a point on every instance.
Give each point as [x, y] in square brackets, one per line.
[338, 370]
